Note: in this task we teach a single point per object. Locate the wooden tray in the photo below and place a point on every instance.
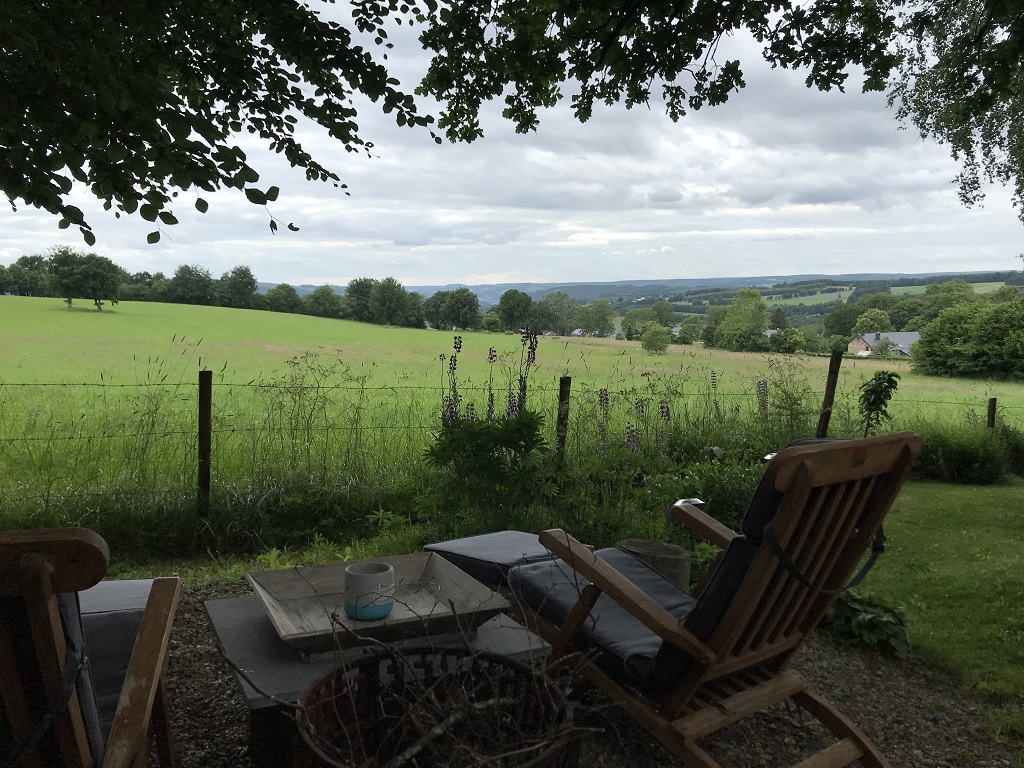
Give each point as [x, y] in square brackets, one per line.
[432, 597]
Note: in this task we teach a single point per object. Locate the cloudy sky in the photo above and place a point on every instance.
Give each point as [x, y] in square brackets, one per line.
[781, 180]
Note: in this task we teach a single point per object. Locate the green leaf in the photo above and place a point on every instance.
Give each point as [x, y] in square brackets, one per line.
[89, 237]
[153, 237]
[272, 194]
[149, 212]
[273, 226]
[201, 205]
[293, 228]
[255, 196]
[168, 218]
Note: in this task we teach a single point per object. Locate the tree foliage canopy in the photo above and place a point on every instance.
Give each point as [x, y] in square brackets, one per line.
[742, 329]
[621, 51]
[84, 276]
[961, 83]
[134, 101]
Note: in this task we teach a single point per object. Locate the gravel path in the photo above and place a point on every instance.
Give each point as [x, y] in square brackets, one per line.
[916, 716]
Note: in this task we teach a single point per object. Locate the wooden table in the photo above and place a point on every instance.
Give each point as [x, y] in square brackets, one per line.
[282, 670]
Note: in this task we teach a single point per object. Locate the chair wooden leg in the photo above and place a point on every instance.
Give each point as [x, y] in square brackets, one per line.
[841, 726]
[161, 727]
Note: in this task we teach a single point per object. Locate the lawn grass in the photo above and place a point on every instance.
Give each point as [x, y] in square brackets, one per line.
[955, 563]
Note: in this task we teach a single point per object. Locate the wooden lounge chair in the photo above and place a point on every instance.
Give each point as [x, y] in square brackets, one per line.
[65, 653]
[686, 665]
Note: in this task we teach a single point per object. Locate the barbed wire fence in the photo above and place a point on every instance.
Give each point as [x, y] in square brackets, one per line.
[147, 439]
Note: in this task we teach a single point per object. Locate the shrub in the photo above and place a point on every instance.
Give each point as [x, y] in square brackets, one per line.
[960, 453]
[868, 622]
[1012, 440]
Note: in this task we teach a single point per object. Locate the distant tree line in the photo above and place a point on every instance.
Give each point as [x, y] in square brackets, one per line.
[69, 274]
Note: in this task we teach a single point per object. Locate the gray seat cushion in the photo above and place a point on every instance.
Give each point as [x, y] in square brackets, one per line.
[111, 614]
[626, 649]
[489, 557]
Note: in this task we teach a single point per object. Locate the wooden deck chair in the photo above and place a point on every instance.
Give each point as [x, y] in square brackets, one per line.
[81, 672]
[686, 665]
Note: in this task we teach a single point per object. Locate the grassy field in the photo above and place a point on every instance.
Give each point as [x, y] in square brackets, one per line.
[955, 563]
[917, 290]
[329, 420]
[817, 298]
[46, 344]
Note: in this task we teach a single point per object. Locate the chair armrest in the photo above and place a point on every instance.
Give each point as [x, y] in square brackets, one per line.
[149, 656]
[701, 523]
[625, 593]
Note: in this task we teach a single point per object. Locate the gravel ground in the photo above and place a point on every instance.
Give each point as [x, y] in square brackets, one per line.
[916, 716]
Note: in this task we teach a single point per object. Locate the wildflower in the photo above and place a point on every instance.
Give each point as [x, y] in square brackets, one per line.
[714, 379]
[452, 364]
[632, 438]
[471, 412]
[458, 344]
[492, 356]
[602, 399]
[640, 406]
[663, 411]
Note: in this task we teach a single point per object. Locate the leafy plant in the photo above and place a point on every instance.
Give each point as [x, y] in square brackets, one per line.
[496, 461]
[875, 394]
[869, 622]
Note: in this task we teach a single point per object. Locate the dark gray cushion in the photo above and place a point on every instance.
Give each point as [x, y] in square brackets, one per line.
[489, 557]
[626, 648]
[111, 614]
[71, 618]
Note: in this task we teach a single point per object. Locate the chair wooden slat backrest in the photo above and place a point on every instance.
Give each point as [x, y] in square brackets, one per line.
[834, 498]
[42, 651]
[34, 567]
[723, 651]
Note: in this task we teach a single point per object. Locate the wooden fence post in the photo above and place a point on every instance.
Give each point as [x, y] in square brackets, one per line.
[834, 363]
[991, 413]
[205, 442]
[562, 425]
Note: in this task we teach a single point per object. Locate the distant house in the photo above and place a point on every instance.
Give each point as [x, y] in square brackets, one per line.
[864, 343]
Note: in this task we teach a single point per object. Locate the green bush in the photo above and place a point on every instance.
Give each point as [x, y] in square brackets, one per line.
[868, 622]
[1012, 440]
[726, 488]
[960, 453]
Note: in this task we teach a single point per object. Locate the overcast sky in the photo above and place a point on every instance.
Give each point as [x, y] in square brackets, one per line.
[780, 180]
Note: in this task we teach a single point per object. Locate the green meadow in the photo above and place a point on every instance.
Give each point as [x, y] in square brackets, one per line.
[817, 298]
[917, 290]
[321, 425]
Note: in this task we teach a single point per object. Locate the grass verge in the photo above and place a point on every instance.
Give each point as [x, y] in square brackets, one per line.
[955, 564]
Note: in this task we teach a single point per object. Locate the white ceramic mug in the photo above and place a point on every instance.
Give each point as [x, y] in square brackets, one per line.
[369, 590]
